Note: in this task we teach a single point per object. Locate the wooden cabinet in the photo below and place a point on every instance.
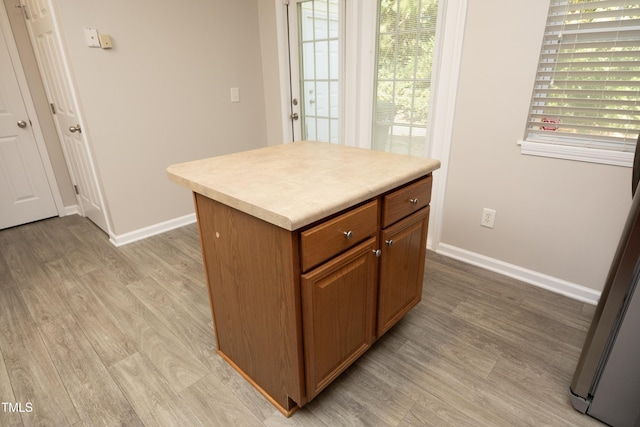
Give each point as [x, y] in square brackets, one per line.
[293, 309]
[333, 236]
[401, 268]
[405, 222]
[338, 296]
[338, 313]
[406, 200]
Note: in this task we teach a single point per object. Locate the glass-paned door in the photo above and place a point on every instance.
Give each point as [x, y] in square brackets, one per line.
[315, 49]
[404, 56]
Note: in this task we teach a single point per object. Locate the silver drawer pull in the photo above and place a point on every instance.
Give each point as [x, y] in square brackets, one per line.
[413, 201]
[389, 242]
[377, 252]
[348, 234]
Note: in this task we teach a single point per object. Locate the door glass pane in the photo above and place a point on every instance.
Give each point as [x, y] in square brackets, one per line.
[319, 64]
[322, 99]
[322, 60]
[308, 70]
[323, 129]
[333, 60]
[333, 102]
[334, 131]
[309, 125]
[404, 56]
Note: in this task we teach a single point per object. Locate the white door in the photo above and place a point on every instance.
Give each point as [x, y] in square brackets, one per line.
[25, 195]
[55, 74]
[315, 40]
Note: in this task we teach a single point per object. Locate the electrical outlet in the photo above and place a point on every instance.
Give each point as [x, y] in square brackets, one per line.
[488, 218]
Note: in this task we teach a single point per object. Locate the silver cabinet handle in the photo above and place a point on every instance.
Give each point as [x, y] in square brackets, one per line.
[22, 124]
[294, 116]
[348, 234]
[377, 252]
[389, 242]
[75, 128]
[413, 201]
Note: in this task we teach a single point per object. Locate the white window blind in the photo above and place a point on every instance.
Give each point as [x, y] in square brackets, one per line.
[587, 88]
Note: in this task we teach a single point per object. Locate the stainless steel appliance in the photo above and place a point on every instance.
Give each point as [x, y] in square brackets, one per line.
[606, 383]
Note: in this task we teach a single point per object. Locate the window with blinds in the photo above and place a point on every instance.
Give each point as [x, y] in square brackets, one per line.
[404, 57]
[587, 88]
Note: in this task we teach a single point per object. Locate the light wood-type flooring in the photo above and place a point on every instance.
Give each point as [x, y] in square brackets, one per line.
[95, 335]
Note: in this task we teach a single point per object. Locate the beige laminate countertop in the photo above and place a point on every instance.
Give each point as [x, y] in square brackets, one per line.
[293, 185]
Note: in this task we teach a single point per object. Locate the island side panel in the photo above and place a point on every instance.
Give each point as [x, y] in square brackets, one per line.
[253, 273]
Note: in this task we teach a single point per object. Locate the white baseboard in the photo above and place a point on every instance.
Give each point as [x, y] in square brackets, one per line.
[152, 230]
[560, 286]
[71, 210]
[563, 287]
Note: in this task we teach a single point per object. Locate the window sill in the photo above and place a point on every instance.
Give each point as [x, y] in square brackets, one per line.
[591, 155]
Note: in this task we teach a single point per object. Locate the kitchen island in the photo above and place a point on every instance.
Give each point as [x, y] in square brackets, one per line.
[312, 251]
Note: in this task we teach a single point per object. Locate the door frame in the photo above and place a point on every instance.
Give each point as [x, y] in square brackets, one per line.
[102, 218]
[360, 47]
[295, 67]
[31, 110]
[356, 72]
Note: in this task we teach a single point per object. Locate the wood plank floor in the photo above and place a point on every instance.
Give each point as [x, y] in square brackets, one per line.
[92, 335]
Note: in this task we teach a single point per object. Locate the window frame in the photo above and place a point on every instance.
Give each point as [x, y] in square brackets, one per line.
[418, 129]
[563, 147]
[581, 154]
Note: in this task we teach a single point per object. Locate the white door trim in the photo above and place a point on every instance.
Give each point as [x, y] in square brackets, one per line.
[31, 110]
[294, 73]
[360, 38]
[85, 173]
[282, 27]
[453, 15]
[102, 220]
[360, 46]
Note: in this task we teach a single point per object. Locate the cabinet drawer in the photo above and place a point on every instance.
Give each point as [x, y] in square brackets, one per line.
[405, 201]
[322, 242]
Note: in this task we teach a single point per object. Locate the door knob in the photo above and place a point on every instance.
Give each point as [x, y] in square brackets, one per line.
[22, 124]
[294, 116]
[75, 128]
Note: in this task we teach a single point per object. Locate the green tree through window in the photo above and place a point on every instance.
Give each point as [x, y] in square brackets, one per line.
[405, 52]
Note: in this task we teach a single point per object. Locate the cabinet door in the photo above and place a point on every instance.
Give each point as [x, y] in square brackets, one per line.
[338, 314]
[401, 268]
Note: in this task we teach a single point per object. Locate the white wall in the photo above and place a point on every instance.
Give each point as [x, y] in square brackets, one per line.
[556, 217]
[161, 95]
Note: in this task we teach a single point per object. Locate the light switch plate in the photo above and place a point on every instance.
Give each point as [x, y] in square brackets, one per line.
[91, 37]
[235, 94]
